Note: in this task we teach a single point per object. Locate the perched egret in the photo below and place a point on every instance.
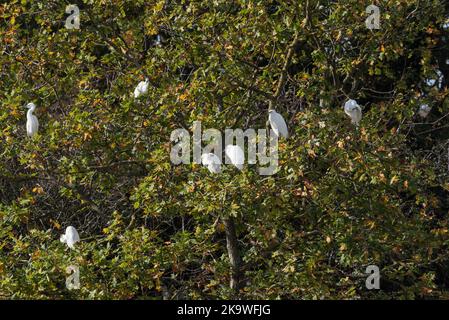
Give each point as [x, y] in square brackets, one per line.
[70, 237]
[32, 122]
[424, 110]
[353, 110]
[212, 162]
[236, 155]
[142, 88]
[158, 40]
[278, 124]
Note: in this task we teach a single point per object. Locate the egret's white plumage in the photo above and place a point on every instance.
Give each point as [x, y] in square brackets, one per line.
[142, 88]
[158, 40]
[353, 110]
[70, 237]
[236, 155]
[424, 110]
[212, 162]
[32, 122]
[278, 124]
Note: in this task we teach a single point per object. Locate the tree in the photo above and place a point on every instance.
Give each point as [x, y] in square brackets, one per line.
[344, 197]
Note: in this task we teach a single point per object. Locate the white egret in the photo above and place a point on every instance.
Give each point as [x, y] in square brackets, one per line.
[70, 237]
[278, 124]
[353, 110]
[212, 162]
[32, 122]
[236, 155]
[424, 110]
[158, 40]
[142, 88]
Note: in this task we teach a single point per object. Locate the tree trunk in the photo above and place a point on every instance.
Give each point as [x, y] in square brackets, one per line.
[233, 252]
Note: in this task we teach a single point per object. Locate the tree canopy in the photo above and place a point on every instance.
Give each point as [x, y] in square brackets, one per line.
[345, 197]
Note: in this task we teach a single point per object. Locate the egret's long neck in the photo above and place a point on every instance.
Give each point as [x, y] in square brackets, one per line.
[30, 112]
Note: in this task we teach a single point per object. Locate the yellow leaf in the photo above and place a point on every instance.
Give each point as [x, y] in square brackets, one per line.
[394, 180]
[183, 97]
[38, 190]
[55, 224]
[159, 6]
[371, 224]
[311, 153]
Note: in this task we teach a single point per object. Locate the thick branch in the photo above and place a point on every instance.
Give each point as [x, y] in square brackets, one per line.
[233, 252]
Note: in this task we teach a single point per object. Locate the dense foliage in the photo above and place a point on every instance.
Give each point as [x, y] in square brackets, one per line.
[344, 197]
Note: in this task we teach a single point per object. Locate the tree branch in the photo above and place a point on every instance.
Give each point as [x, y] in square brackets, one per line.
[233, 252]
